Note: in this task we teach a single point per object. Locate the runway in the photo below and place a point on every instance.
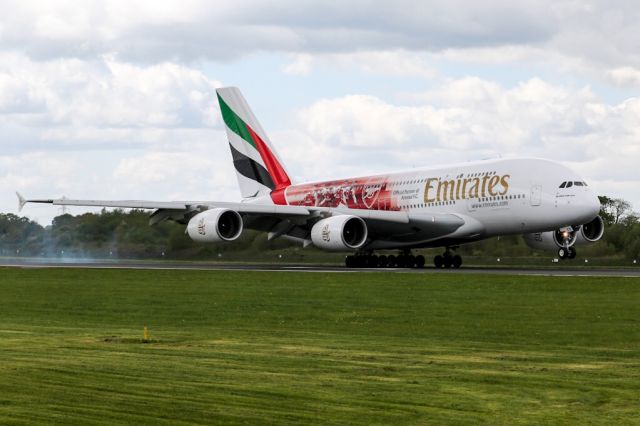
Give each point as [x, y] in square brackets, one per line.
[209, 266]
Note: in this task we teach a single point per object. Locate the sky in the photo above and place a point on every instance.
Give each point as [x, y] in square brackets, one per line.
[116, 99]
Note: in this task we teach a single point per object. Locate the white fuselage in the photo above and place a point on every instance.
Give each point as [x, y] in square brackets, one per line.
[495, 197]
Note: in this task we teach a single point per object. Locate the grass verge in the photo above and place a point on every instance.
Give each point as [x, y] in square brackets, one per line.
[282, 347]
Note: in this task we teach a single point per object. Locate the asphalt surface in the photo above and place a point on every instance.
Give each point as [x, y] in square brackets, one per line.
[204, 266]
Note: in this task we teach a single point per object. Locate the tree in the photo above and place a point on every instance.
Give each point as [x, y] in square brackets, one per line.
[614, 210]
[605, 208]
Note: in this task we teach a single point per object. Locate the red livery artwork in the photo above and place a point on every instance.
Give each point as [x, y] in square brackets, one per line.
[366, 193]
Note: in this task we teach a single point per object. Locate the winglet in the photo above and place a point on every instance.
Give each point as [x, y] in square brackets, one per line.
[21, 201]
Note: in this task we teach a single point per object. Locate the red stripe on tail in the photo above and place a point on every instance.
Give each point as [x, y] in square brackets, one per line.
[274, 168]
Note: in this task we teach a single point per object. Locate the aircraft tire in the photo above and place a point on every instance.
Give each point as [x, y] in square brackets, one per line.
[382, 261]
[456, 261]
[438, 261]
[572, 253]
[562, 253]
[420, 261]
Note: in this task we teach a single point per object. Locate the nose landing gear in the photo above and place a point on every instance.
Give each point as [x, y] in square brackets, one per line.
[447, 260]
[567, 251]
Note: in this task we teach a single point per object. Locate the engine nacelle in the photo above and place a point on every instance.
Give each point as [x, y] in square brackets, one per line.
[343, 232]
[550, 240]
[215, 225]
[591, 232]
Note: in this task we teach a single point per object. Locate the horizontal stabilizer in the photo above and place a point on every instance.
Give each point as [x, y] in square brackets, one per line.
[21, 201]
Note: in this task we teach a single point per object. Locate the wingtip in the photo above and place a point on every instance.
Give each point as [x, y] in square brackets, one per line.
[21, 201]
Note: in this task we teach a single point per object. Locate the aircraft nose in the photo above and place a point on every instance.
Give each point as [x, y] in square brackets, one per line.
[593, 203]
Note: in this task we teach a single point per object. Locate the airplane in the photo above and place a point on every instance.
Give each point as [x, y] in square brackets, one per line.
[444, 206]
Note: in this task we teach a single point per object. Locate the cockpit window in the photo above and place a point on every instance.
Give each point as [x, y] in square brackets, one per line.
[578, 183]
[569, 184]
[563, 184]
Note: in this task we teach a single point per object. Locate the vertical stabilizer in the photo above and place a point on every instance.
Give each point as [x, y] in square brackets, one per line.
[258, 167]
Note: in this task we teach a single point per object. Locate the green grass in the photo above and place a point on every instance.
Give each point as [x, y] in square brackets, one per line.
[340, 348]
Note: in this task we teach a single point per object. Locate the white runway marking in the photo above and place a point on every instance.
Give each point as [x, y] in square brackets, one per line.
[609, 272]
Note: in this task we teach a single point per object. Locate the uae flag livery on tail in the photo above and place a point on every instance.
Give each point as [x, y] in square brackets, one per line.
[259, 171]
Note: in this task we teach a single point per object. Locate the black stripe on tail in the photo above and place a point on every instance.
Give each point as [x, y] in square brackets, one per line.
[250, 169]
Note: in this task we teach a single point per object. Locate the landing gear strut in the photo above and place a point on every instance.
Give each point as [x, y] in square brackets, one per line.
[447, 260]
[370, 260]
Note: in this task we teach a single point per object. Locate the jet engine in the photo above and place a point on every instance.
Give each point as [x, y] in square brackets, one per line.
[551, 240]
[566, 237]
[591, 232]
[343, 232]
[215, 225]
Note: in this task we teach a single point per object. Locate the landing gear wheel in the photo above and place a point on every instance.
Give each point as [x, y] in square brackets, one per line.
[382, 261]
[456, 261]
[572, 253]
[563, 253]
[372, 261]
[438, 261]
[448, 262]
[420, 261]
[410, 261]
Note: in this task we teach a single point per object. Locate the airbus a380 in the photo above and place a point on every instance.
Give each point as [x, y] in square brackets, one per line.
[443, 206]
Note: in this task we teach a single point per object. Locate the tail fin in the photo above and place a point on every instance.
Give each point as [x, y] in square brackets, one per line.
[258, 168]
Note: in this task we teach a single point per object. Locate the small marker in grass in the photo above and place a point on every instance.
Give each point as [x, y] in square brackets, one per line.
[145, 335]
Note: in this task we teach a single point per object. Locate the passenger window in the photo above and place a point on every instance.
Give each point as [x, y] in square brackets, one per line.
[563, 184]
[569, 184]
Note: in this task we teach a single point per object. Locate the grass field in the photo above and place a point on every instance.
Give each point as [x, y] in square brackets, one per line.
[341, 348]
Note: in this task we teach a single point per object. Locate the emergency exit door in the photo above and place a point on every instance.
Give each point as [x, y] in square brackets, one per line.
[536, 195]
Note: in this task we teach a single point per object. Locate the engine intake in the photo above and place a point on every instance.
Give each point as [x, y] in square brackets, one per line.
[591, 232]
[215, 225]
[342, 232]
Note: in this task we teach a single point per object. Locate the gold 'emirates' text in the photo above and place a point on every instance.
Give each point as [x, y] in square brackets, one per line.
[437, 189]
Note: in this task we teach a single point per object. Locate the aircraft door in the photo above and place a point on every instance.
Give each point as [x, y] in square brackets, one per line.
[536, 195]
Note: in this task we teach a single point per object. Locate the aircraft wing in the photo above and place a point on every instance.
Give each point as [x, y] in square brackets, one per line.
[243, 208]
[170, 205]
[278, 220]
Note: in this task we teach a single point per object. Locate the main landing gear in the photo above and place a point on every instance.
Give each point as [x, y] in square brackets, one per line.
[567, 253]
[370, 260]
[447, 260]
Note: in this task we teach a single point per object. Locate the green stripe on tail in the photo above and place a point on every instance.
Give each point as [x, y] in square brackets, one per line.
[235, 123]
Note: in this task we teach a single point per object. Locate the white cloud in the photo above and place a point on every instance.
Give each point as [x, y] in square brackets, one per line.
[66, 124]
[625, 76]
[301, 64]
[80, 103]
[398, 63]
[597, 33]
[204, 172]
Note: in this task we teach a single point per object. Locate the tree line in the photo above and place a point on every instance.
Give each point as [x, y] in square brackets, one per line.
[127, 234]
